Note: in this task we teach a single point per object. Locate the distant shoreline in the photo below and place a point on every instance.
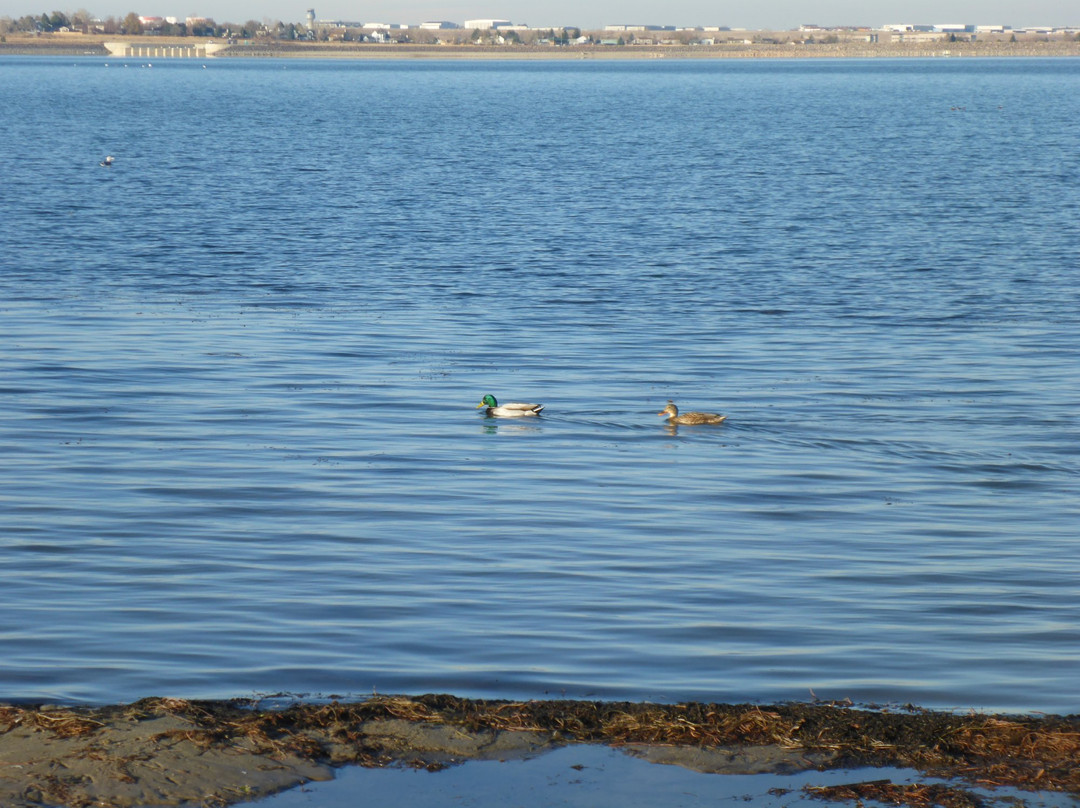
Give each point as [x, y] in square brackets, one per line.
[86, 45]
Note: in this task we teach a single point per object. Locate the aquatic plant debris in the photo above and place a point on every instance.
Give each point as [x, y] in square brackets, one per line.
[886, 791]
[177, 752]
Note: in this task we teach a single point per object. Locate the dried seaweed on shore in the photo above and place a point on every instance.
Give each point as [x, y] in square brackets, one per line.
[1026, 752]
[1033, 753]
[917, 795]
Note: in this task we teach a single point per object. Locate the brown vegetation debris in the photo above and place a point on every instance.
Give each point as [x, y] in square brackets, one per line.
[1017, 752]
[1029, 752]
[60, 723]
[918, 795]
[753, 727]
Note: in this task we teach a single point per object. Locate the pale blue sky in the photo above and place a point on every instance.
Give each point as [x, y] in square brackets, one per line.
[778, 14]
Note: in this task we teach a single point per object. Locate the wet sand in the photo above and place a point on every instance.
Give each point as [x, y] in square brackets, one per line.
[176, 752]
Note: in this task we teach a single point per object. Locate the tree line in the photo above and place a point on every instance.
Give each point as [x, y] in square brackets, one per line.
[130, 24]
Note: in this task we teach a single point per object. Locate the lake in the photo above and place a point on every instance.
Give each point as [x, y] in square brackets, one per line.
[240, 368]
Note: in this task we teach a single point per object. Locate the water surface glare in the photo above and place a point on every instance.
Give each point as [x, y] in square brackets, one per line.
[238, 373]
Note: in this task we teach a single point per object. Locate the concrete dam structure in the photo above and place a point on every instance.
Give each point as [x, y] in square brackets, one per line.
[164, 51]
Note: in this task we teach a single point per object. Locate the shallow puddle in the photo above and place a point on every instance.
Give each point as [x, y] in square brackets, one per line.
[596, 775]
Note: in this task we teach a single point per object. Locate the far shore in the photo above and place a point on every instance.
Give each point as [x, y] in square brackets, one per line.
[158, 46]
[168, 751]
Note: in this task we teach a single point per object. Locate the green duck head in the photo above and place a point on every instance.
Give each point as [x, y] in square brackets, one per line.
[487, 401]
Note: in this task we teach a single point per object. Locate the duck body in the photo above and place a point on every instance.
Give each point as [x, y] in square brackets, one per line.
[513, 409]
[108, 161]
[690, 418]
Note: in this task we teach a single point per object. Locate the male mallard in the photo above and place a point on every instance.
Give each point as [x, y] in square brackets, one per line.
[690, 418]
[511, 410]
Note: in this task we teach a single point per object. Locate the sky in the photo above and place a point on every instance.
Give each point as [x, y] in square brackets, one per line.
[765, 14]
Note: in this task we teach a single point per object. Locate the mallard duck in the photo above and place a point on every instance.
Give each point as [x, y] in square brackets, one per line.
[511, 410]
[690, 418]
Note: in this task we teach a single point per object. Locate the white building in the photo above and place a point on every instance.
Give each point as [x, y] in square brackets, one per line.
[906, 28]
[484, 25]
[439, 25]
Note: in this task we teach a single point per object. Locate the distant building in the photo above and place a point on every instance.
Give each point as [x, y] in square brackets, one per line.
[484, 25]
[311, 19]
[907, 28]
[439, 25]
[621, 27]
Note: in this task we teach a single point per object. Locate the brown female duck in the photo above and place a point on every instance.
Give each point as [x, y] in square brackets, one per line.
[690, 418]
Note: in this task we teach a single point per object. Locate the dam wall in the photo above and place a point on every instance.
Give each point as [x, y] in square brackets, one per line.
[141, 51]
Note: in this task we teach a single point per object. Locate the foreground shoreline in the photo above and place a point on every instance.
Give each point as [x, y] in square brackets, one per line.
[162, 751]
[92, 45]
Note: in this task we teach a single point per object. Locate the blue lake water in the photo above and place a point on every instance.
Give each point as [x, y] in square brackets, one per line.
[238, 372]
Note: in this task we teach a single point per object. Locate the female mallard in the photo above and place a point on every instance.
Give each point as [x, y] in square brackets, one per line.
[512, 410]
[690, 418]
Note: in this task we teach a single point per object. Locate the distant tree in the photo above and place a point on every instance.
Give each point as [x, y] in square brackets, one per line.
[251, 29]
[131, 24]
[477, 35]
[204, 28]
[81, 18]
[621, 41]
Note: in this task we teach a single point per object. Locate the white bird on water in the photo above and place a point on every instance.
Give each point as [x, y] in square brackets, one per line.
[108, 161]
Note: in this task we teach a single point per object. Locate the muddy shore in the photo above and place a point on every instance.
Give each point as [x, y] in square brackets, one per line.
[187, 753]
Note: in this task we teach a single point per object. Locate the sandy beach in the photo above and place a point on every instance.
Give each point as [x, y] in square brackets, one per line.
[177, 752]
